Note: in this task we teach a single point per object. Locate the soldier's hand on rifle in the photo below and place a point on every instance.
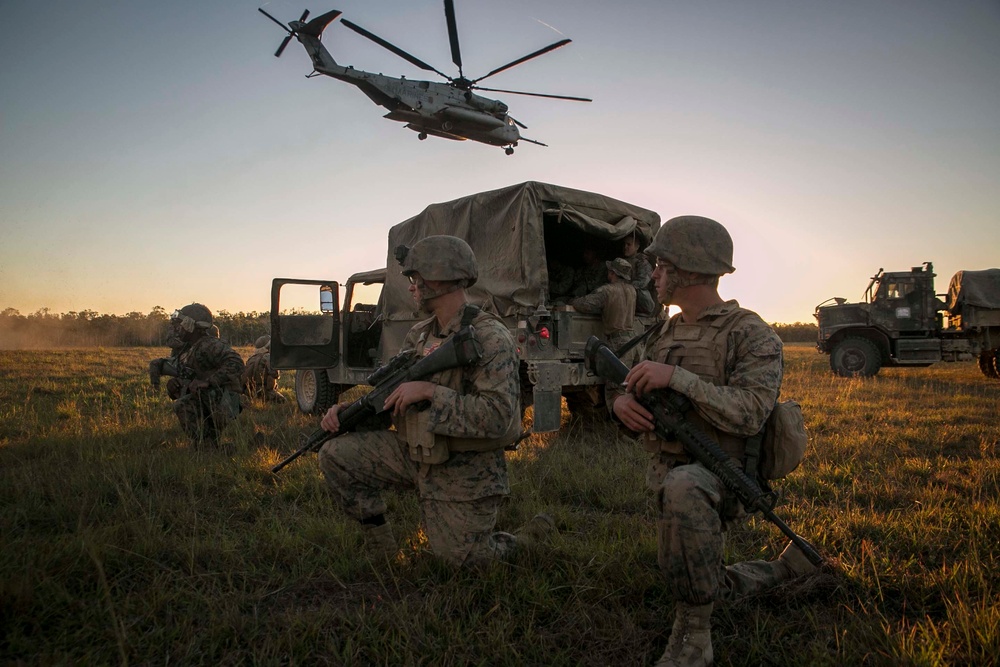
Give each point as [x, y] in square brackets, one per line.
[331, 420]
[633, 415]
[646, 376]
[407, 394]
[195, 386]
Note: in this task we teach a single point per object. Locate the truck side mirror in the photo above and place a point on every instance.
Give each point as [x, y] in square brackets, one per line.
[326, 299]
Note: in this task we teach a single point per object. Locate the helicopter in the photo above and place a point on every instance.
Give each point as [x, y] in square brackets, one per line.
[447, 110]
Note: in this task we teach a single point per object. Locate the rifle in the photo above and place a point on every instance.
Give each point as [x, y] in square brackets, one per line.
[461, 349]
[668, 409]
[171, 367]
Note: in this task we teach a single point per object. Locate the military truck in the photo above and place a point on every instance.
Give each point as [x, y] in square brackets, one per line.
[518, 234]
[902, 322]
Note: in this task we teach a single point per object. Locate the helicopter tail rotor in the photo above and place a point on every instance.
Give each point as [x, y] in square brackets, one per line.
[291, 33]
[314, 28]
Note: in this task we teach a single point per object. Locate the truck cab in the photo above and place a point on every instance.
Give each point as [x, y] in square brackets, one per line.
[897, 324]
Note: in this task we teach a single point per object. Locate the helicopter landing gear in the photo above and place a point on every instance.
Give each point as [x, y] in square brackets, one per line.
[422, 136]
[509, 150]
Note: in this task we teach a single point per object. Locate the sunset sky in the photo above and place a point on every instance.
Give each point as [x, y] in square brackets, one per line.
[156, 153]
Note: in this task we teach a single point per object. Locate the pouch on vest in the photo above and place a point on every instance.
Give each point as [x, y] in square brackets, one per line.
[784, 443]
[424, 445]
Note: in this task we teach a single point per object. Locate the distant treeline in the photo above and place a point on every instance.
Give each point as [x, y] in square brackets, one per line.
[797, 332]
[87, 328]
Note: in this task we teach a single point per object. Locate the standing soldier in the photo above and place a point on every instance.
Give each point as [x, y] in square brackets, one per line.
[206, 375]
[615, 302]
[728, 362]
[642, 275]
[259, 379]
[451, 428]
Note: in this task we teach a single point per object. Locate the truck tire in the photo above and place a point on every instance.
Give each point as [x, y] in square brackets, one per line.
[313, 392]
[988, 364]
[855, 357]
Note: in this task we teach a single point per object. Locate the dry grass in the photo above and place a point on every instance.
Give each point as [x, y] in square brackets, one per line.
[118, 544]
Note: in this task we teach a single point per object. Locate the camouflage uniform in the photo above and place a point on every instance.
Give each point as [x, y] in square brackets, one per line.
[642, 280]
[203, 415]
[589, 278]
[729, 363]
[472, 408]
[560, 281]
[259, 379]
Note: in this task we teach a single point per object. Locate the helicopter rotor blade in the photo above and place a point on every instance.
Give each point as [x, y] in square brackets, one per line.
[518, 123]
[456, 51]
[281, 47]
[283, 26]
[304, 16]
[550, 47]
[521, 92]
[392, 47]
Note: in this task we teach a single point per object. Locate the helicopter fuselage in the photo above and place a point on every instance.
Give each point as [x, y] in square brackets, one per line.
[432, 108]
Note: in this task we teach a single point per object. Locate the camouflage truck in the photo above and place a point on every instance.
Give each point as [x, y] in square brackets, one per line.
[902, 322]
[518, 234]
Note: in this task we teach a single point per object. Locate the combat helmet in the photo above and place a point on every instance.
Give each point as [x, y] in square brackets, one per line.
[444, 258]
[263, 341]
[192, 316]
[696, 244]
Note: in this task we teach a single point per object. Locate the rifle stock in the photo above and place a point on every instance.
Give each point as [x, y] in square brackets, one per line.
[668, 409]
[461, 349]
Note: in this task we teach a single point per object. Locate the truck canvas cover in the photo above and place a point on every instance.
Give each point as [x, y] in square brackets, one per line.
[980, 289]
[506, 230]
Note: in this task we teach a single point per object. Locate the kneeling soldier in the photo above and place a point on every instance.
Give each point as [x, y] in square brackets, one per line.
[451, 430]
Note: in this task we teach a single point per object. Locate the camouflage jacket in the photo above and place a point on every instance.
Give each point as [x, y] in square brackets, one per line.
[214, 361]
[616, 304]
[490, 396]
[589, 278]
[753, 369]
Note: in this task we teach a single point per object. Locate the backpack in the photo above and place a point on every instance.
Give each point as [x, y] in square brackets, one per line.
[780, 446]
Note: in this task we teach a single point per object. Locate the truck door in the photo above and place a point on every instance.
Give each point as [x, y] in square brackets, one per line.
[901, 303]
[305, 323]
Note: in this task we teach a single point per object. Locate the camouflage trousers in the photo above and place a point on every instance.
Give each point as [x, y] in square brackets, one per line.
[459, 499]
[204, 415]
[695, 510]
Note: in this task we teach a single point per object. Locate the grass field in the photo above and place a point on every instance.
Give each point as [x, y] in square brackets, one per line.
[120, 545]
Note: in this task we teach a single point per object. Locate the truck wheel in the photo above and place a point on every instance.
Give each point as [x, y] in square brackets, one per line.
[855, 357]
[313, 392]
[988, 364]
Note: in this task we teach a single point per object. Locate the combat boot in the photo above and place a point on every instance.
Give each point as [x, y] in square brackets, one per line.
[690, 642]
[538, 531]
[795, 562]
[381, 541]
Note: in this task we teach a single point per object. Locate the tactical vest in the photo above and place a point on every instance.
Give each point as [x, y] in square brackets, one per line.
[432, 448]
[702, 349]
